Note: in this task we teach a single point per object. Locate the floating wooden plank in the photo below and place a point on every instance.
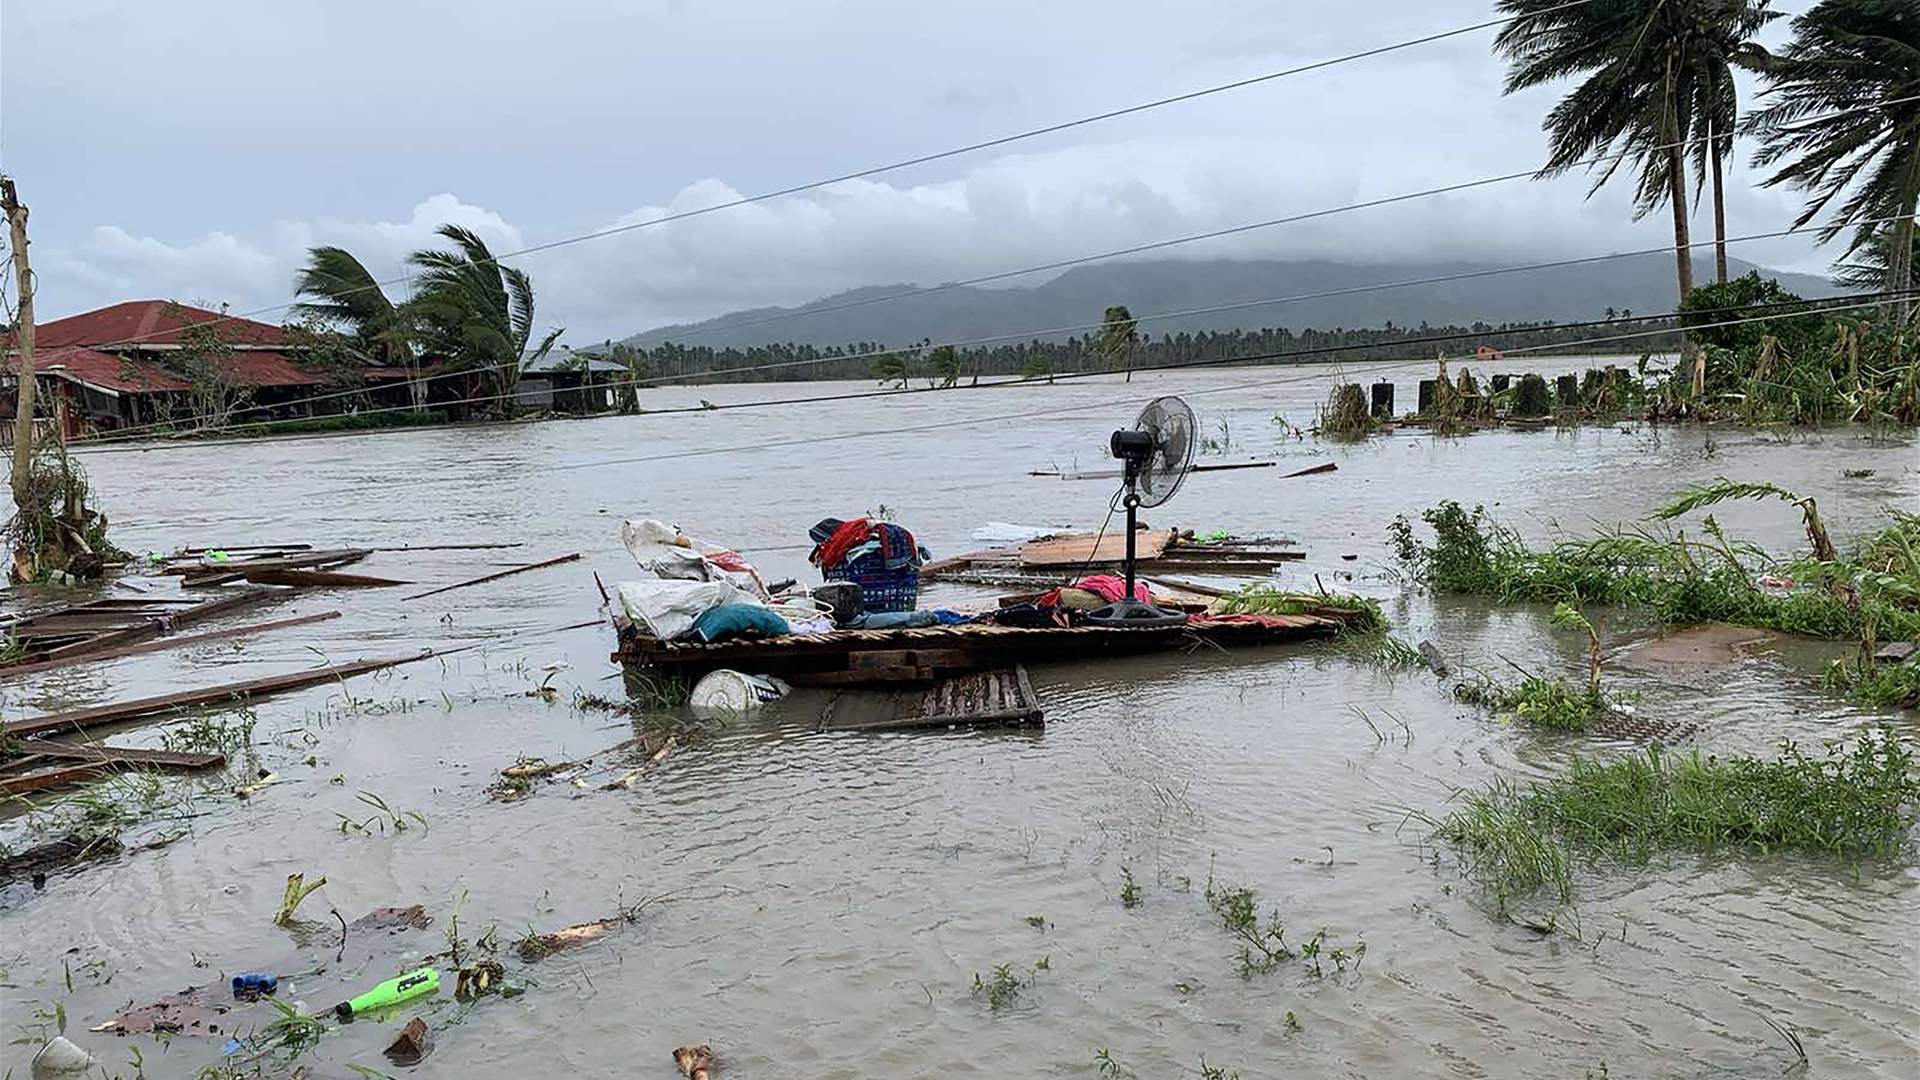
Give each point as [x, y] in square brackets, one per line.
[1075, 550]
[1313, 470]
[449, 547]
[315, 579]
[200, 575]
[162, 644]
[81, 719]
[41, 648]
[125, 755]
[495, 577]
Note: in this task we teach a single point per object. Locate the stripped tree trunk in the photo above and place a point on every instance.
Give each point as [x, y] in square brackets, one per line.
[1900, 241]
[23, 336]
[1719, 213]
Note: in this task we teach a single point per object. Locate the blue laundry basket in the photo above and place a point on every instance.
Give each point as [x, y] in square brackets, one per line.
[881, 589]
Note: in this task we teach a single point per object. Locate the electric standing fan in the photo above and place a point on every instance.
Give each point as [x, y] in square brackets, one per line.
[1157, 452]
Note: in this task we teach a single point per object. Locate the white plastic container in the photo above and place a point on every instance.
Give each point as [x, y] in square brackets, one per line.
[726, 691]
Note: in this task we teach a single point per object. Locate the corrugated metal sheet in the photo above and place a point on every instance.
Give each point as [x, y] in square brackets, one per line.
[151, 322]
[102, 371]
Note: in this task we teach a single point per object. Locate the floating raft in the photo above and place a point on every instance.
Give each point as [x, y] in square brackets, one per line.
[1057, 559]
[879, 657]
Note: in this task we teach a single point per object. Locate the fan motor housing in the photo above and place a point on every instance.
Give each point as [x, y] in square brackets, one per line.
[1132, 445]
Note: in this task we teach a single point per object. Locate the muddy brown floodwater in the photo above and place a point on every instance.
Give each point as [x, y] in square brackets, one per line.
[833, 895]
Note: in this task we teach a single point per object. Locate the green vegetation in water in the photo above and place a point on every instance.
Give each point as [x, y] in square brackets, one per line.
[1874, 595]
[1878, 685]
[1003, 989]
[1542, 700]
[210, 734]
[383, 818]
[1263, 944]
[1850, 802]
[1129, 892]
[1260, 599]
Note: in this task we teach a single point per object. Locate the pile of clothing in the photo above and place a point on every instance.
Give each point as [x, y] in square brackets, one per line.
[881, 557]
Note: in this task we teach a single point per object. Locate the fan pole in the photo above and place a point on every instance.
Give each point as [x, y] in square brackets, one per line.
[1133, 505]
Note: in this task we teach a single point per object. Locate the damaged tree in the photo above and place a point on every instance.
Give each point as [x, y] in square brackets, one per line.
[52, 531]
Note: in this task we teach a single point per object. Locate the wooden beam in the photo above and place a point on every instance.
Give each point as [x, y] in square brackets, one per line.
[162, 644]
[318, 579]
[82, 719]
[124, 755]
[495, 577]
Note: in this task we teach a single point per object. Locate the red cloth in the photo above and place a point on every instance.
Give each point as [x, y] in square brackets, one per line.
[850, 535]
[1112, 589]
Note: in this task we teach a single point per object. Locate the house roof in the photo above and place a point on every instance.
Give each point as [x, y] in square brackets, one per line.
[258, 367]
[567, 360]
[101, 371]
[151, 322]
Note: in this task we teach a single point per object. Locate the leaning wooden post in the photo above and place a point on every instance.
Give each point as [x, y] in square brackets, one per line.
[23, 334]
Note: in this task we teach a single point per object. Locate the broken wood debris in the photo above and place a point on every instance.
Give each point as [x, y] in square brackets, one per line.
[1002, 697]
[95, 716]
[477, 978]
[411, 1045]
[202, 572]
[496, 576]
[192, 1011]
[99, 625]
[27, 773]
[65, 851]
[1056, 559]
[320, 579]
[538, 946]
[694, 1062]
[176, 641]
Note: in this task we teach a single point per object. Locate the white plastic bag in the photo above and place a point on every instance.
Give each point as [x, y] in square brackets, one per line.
[666, 552]
[668, 608]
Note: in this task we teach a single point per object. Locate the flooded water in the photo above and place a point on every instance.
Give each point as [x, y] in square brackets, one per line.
[830, 897]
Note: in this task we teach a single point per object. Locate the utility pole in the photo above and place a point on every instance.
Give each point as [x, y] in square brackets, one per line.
[23, 335]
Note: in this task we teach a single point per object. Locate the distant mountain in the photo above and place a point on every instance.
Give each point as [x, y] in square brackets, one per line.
[1642, 284]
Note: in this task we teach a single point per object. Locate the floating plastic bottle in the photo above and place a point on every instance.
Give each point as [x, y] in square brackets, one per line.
[392, 992]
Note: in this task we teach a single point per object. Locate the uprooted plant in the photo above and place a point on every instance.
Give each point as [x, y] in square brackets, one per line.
[1853, 802]
[1263, 944]
[53, 531]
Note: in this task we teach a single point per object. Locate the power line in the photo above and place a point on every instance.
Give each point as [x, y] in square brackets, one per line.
[690, 378]
[923, 159]
[1803, 308]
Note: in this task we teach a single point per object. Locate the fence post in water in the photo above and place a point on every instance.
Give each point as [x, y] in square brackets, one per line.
[1501, 382]
[1568, 388]
[1428, 388]
[1382, 401]
[1531, 399]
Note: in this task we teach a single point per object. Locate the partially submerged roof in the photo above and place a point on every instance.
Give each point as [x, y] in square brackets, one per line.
[101, 371]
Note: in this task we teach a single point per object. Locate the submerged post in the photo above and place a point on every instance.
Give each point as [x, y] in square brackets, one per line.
[1568, 389]
[23, 336]
[1428, 390]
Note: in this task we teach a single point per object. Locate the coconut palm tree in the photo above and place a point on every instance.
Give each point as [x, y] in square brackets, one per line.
[347, 298]
[1864, 167]
[1865, 269]
[1723, 35]
[1119, 339]
[477, 311]
[1655, 72]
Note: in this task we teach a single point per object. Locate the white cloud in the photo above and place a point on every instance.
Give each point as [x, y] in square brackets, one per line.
[1002, 214]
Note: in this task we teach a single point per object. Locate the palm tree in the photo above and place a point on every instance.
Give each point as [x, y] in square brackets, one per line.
[1722, 34]
[348, 298]
[1846, 54]
[1865, 269]
[477, 311]
[1655, 71]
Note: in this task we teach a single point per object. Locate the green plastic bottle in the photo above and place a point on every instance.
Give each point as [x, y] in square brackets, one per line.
[401, 988]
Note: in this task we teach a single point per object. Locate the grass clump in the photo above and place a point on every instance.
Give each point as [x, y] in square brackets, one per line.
[1851, 802]
[1873, 595]
[1261, 599]
[1263, 944]
[1542, 700]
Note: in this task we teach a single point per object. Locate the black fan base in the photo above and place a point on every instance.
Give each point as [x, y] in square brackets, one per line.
[1134, 615]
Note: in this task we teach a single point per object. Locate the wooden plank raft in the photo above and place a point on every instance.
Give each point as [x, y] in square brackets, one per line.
[880, 657]
[101, 625]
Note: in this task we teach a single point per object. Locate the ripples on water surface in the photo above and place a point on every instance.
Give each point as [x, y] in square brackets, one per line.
[836, 893]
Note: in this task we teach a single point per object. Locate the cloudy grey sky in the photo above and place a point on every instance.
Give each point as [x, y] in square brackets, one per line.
[194, 149]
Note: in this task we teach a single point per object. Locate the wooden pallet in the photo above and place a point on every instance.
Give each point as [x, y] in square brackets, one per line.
[880, 657]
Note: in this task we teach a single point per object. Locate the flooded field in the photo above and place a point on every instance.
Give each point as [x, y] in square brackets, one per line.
[828, 899]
